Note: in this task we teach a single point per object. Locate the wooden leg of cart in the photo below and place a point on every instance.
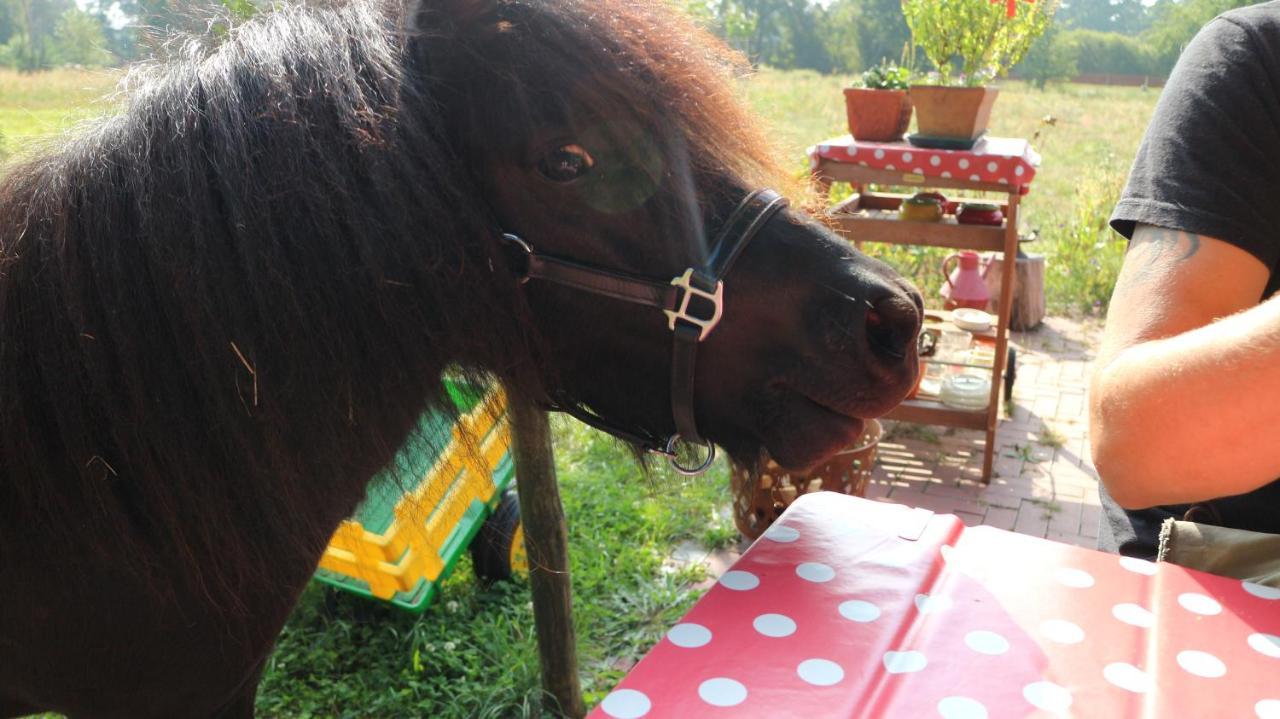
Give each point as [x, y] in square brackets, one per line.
[1004, 314]
[547, 547]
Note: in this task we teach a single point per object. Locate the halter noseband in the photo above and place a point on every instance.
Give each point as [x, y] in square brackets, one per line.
[692, 301]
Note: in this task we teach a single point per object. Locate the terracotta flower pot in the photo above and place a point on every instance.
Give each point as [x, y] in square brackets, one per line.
[959, 113]
[877, 115]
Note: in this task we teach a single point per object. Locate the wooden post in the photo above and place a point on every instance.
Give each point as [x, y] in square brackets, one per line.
[547, 546]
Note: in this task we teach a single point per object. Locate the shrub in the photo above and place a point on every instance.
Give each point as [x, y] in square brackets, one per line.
[1083, 254]
[1110, 53]
[972, 41]
[1051, 59]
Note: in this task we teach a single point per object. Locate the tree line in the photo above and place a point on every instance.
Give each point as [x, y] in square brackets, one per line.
[1133, 37]
[1118, 37]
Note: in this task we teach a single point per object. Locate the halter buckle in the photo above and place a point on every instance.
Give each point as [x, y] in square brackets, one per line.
[681, 312]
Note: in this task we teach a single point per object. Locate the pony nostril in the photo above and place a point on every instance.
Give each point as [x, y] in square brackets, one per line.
[892, 324]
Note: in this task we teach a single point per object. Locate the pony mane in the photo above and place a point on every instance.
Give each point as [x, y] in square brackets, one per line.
[235, 298]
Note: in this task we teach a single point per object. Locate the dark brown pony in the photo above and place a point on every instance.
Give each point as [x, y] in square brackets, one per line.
[222, 310]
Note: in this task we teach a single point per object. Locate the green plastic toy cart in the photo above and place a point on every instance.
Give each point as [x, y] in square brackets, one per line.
[449, 490]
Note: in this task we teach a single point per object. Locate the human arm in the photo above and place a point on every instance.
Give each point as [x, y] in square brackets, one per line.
[1185, 397]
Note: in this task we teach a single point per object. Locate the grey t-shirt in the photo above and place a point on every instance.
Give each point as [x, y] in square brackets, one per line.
[1210, 164]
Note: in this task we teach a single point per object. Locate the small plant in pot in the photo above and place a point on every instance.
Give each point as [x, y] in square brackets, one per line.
[880, 110]
[970, 42]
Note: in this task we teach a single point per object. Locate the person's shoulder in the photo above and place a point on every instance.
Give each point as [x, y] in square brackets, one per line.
[1263, 17]
[1246, 36]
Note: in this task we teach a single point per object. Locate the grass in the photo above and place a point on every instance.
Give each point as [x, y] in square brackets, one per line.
[472, 654]
[36, 105]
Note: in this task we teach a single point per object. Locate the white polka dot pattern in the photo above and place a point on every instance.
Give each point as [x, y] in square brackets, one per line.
[904, 662]
[689, 636]
[1197, 603]
[1134, 615]
[1138, 566]
[926, 604]
[995, 160]
[985, 642]
[774, 625]
[782, 534]
[1128, 677]
[1047, 696]
[739, 581]
[1267, 645]
[1074, 578]
[1061, 631]
[626, 704]
[856, 610]
[1201, 664]
[820, 672]
[961, 708]
[722, 692]
[955, 624]
[815, 572]
[1261, 591]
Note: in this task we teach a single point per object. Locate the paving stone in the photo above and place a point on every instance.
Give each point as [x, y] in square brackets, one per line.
[1031, 519]
[1065, 516]
[1090, 517]
[1000, 517]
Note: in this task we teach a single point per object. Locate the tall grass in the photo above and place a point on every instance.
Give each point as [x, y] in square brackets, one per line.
[37, 105]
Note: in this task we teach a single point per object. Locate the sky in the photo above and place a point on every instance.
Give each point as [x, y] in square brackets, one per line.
[115, 17]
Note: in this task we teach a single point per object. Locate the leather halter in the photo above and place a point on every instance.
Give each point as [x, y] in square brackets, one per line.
[693, 303]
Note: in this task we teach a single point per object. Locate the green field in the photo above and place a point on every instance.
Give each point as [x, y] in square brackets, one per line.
[1086, 134]
[36, 105]
[472, 654]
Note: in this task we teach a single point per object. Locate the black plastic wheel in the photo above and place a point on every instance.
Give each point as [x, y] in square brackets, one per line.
[1010, 374]
[497, 551]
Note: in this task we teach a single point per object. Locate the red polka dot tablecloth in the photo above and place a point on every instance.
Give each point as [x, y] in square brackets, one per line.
[853, 608]
[996, 160]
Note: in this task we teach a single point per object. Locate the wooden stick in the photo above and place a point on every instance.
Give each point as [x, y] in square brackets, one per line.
[547, 547]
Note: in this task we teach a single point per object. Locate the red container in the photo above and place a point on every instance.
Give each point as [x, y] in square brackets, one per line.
[980, 214]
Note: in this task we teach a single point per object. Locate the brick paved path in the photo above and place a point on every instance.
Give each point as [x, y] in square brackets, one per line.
[1043, 482]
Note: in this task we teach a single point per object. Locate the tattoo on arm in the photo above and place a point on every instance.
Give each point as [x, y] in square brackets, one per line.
[1157, 248]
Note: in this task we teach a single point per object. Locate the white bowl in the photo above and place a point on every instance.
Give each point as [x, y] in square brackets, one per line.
[967, 318]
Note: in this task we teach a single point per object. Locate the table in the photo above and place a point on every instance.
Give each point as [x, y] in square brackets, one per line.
[1003, 165]
[853, 608]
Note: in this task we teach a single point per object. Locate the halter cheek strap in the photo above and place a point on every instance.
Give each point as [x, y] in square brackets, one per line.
[693, 303]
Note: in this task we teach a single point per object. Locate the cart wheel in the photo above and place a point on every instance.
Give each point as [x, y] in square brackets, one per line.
[1010, 374]
[497, 551]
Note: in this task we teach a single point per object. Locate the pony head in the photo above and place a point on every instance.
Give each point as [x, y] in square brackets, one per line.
[609, 133]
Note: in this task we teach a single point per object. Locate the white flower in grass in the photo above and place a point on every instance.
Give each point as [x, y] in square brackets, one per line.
[450, 646]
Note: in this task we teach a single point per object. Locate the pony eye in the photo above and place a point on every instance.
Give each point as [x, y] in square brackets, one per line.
[566, 163]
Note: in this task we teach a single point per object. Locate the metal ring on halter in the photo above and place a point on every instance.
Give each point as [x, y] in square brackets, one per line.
[689, 471]
[523, 246]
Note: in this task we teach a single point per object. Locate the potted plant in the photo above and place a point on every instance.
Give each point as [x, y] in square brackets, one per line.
[970, 42]
[880, 110]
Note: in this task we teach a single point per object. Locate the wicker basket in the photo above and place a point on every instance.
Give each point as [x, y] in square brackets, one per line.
[757, 503]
